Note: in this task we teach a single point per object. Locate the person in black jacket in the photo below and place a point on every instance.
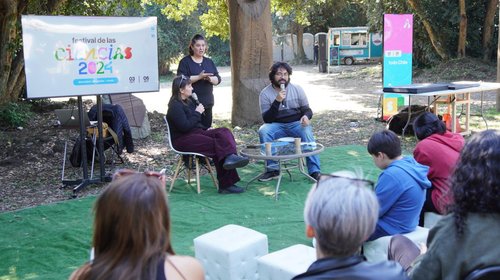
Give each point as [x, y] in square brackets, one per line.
[341, 213]
[203, 73]
[188, 135]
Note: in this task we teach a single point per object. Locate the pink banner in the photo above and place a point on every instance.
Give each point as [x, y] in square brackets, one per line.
[398, 32]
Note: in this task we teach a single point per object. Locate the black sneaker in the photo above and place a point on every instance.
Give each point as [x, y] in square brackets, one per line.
[234, 161]
[232, 189]
[315, 175]
[269, 175]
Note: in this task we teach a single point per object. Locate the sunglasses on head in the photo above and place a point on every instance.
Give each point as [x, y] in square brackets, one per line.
[126, 172]
[324, 177]
[181, 80]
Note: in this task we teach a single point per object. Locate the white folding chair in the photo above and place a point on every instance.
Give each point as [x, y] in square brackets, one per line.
[192, 155]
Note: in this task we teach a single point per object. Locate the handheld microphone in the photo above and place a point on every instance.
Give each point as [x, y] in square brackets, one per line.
[196, 101]
[195, 98]
[282, 86]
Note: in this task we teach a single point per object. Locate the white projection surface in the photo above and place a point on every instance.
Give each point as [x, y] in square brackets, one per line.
[69, 56]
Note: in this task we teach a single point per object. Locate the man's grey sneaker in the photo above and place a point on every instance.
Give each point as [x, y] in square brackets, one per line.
[268, 176]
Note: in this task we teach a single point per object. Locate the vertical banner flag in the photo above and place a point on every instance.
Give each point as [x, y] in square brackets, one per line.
[398, 48]
[75, 56]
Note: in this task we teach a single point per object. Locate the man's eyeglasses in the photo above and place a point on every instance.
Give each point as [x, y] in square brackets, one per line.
[182, 79]
[281, 74]
[126, 172]
[324, 177]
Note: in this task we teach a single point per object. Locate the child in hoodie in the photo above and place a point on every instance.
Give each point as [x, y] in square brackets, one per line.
[400, 187]
[439, 149]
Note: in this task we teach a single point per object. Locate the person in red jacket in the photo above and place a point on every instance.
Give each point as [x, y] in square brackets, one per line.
[439, 149]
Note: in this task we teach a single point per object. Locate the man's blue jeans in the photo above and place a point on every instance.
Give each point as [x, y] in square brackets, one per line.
[269, 132]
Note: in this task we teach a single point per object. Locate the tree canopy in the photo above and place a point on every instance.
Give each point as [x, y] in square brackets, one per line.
[442, 29]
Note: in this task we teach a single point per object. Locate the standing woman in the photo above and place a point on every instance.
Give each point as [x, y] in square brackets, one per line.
[203, 74]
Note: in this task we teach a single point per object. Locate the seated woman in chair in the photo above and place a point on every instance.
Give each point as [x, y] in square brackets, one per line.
[189, 135]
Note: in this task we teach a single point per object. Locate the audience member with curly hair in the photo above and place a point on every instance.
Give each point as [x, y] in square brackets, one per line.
[466, 239]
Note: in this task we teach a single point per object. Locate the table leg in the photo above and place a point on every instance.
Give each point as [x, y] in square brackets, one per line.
[467, 111]
[409, 117]
[302, 170]
[277, 190]
[453, 113]
[256, 177]
[482, 112]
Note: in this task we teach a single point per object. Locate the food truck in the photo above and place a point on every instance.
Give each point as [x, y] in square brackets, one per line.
[347, 45]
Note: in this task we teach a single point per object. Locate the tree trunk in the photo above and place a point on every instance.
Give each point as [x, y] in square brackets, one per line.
[17, 78]
[435, 40]
[301, 54]
[462, 35]
[488, 29]
[12, 75]
[9, 14]
[251, 57]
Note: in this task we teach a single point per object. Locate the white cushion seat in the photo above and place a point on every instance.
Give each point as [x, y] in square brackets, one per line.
[286, 263]
[230, 252]
[376, 250]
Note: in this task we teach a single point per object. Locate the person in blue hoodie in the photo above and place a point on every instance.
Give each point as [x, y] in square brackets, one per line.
[401, 187]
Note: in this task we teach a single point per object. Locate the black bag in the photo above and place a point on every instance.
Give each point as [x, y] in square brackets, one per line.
[75, 158]
[398, 121]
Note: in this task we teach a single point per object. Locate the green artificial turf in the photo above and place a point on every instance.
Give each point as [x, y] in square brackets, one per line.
[50, 241]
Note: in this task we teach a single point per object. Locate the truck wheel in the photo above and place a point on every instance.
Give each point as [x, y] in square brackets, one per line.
[349, 60]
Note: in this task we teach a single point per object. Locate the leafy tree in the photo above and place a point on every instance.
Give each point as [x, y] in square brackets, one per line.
[248, 24]
[12, 76]
[336, 14]
[299, 12]
[487, 40]
[440, 27]
[173, 36]
[213, 14]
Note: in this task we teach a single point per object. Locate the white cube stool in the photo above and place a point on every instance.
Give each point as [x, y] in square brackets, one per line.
[286, 263]
[376, 250]
[230, 252]
[431, 218]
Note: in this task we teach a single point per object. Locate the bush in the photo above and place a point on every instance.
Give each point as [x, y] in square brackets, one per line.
[15, 114]
[219, 51]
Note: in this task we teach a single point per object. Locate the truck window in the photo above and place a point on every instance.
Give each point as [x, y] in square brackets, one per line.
[346, 39]
[336, 40]
[358, 39]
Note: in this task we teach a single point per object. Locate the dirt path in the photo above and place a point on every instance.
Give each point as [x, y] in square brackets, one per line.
[324, 91]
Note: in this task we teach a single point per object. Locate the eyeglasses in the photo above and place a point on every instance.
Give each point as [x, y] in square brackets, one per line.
[324, 177]
[126, 172]
[281, 74]
[182, 79]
